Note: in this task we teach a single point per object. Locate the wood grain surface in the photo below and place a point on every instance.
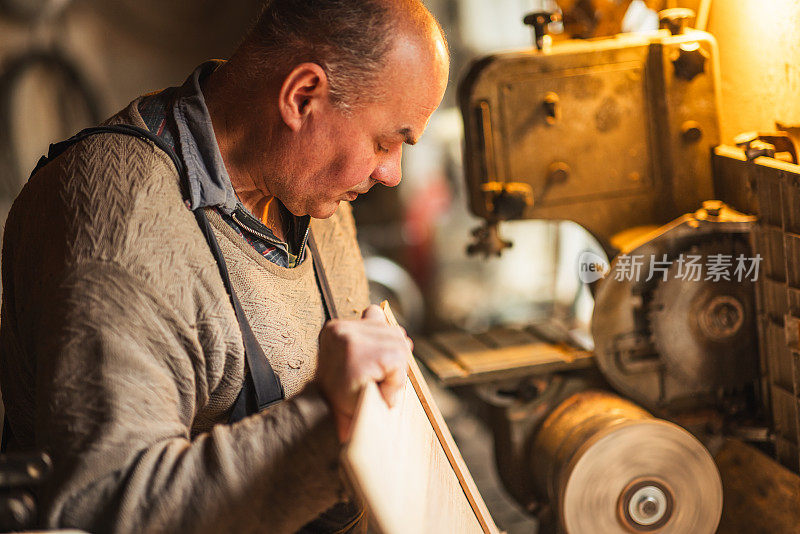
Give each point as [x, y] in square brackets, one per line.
[458, 358]
[405, 465]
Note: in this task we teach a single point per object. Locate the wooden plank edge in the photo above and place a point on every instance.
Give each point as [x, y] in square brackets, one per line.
[445, 438]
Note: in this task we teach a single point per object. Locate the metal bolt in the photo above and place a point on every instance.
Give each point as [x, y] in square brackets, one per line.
[647, 505]
[558, 172]
[722, 317]
[691, 131]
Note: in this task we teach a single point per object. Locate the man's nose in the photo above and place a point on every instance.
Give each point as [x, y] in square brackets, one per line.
[388, 172]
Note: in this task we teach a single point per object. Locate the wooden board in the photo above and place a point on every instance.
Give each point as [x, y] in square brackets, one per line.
[405, 465]
[443, 367]
[457, 357]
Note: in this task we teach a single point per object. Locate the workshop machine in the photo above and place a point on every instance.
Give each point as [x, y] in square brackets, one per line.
[695, 372]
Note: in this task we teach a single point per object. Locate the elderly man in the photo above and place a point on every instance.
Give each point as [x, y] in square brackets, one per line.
[166, 286]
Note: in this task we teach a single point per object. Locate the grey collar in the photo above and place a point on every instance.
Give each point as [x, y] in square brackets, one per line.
[209, 182]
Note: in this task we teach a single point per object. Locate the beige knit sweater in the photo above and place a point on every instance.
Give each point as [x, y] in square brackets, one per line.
[120, 353]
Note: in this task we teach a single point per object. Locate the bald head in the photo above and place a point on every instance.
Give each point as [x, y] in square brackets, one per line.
[352, 40]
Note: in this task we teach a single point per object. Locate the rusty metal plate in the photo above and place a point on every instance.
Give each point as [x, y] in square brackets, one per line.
[603, 118]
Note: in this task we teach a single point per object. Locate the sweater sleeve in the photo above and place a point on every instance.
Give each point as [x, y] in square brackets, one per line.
[100, 367]
[113, 384]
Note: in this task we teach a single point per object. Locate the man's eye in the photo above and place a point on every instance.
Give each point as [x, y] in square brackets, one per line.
[383, 149]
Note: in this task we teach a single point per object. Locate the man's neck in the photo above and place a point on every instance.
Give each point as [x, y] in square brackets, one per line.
[269, 211]
[238, 153]
[263, 207]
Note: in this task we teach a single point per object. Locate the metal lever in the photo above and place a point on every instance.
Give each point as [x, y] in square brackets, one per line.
[540, 20]
[504, 201]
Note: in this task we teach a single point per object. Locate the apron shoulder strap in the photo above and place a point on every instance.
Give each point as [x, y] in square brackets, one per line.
[322, 279]
[261, 387]
[57, 149]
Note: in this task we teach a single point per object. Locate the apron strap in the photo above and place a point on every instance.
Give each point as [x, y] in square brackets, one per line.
[322, 279]
[261, 387]
[57, 149]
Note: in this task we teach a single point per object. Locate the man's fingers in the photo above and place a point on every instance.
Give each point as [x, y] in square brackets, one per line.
[356, 352]
[383, 334]
[392, 384]
[375, 313]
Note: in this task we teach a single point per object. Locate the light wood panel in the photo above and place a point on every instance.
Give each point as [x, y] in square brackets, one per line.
[407, 468]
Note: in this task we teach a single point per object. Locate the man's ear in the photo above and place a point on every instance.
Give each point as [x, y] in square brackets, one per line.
[305, 88]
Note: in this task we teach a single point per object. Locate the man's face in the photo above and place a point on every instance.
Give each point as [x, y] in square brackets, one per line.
[344, 155]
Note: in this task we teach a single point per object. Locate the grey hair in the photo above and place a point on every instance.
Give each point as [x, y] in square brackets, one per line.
[349, 39]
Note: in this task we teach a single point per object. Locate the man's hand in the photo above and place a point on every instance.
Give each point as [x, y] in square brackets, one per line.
[355, 352]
